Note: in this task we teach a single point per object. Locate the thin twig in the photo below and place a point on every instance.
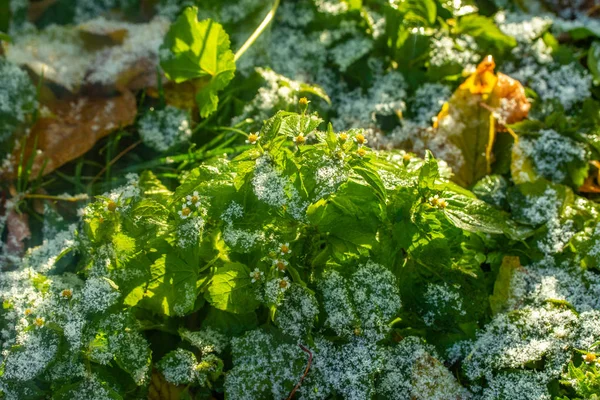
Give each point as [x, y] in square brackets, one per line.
[114, 160]
[310, 358]
[257, 32]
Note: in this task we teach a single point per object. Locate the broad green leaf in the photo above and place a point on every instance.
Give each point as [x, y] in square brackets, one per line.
[198, 50]
[231, 289]
[485, 31]
[352, 214]
[152, 187]
[593, 60]
[172, 287]
[418, 12]
[132, 354]
[474, 215]
[372, 178]
[492, 189]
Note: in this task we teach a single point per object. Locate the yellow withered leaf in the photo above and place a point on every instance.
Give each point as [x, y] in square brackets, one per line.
[481, 106]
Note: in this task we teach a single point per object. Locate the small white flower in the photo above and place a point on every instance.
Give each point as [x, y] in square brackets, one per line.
[284, 284]
[300, 139]
[256, 275]
[193, 199]
[253, 138]
[185, 212]
[284, 249]
[281, 264]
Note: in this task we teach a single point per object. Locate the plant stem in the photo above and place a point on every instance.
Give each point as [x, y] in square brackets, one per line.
[60, 198]
[308, 364]
[258, 31]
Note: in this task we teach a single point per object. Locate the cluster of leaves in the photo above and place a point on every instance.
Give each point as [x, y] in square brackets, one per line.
[248, 240]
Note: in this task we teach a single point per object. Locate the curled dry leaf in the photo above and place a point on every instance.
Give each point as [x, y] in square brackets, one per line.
[74, 129]
[18, 230]
[482, 105]
[592, 182]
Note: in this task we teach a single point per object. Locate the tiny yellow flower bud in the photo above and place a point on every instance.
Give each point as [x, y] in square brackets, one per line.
[186, 211]
[360, 139]
[343, 137]
[67, 293]
[303, 101]
[283, 284]
[28, 311]
[589, 358]
[361, 152]
[39, 322]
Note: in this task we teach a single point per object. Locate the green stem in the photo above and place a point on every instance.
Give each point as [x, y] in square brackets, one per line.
[258, 31]
[59, 198]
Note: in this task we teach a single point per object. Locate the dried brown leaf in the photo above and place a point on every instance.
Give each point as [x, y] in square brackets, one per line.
[74, 129]
[592, 182]
[18, 230]
[468, 122]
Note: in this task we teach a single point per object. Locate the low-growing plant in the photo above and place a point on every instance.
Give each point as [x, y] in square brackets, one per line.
[310, 234]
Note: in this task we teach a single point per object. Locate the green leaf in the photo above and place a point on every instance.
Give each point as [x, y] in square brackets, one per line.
[132, 354]
[198, 50]
[418, 12]
[484, 30]
[331, 138]
[502, 285]
[172, 287]
[231, 289]
[474, 215]
[352, 214]
[372, 178]
[152, 187]
[593, 60]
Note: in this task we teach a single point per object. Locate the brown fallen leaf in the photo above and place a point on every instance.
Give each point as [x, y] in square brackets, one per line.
[74, 128]
[37, 8]
[592, 182]
[481, 106]
[17, 226]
